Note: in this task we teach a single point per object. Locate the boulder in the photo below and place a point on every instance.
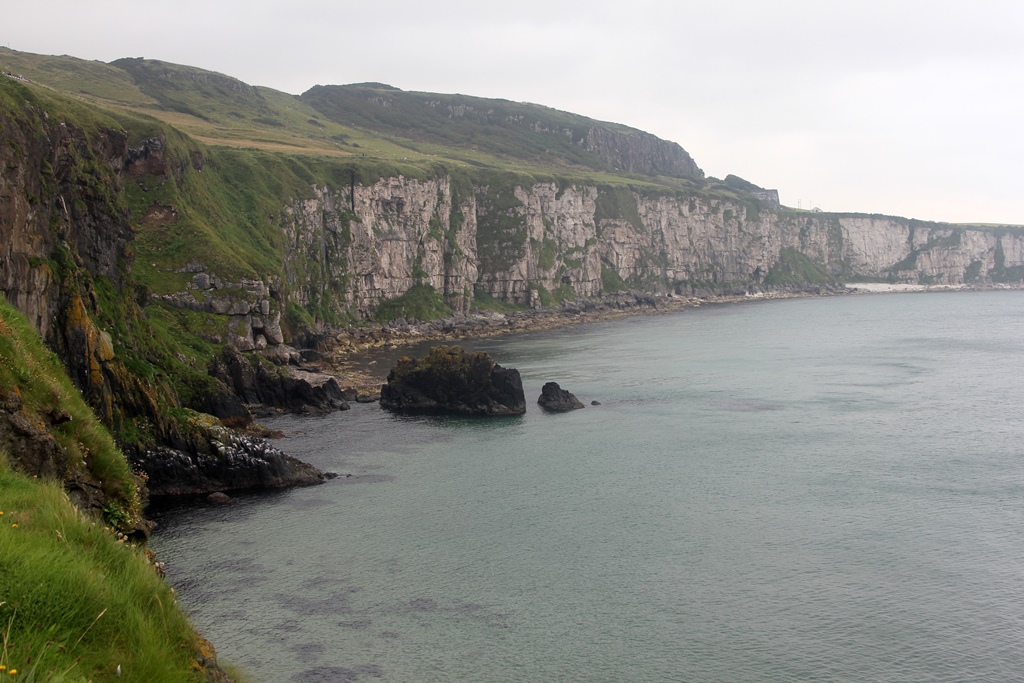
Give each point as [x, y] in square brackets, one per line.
[555, 399]
[451, 380]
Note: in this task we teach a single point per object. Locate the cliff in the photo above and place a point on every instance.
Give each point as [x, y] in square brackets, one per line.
[67, 265]
[537, 243]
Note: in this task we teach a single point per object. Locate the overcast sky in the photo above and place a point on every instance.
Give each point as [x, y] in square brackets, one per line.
[904, 107]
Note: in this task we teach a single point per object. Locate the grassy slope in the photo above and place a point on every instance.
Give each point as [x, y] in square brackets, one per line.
[218, 110]
[59, 570]
[76, 601]
[35, 376]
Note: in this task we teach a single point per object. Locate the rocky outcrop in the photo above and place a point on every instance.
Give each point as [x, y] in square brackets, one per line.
[636, 152]
[450, 380]
[260, 383]
[222, 460]
[555, 399]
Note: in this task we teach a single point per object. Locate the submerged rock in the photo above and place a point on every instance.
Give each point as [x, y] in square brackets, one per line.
[555, 399]
[450, 380]
[221, 498]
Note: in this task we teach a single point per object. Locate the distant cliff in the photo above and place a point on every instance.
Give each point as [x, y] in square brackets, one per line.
[523, 243]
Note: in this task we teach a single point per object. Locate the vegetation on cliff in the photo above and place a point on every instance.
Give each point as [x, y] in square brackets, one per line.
[76, 599]
[66, 215]
[50, 431]
[421, 302]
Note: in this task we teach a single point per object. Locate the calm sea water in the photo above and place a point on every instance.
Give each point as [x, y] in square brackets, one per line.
[802, 490]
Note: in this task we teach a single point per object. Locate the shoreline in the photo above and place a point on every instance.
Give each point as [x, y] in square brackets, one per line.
[350, 360]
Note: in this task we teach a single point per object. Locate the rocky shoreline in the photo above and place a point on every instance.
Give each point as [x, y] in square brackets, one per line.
[346, 354]
[342, 354]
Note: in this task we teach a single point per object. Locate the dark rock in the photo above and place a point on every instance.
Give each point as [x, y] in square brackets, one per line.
[450, 380]
[555, 399]
[215, 458]
[287, 387]
[226, 406]
[221, 498]
[367, 398]
[595, 403]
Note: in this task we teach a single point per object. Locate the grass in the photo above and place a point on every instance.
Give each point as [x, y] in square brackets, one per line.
[421, 302]
[483, 301]
[795, 268]
[35, 375]
[76, 601]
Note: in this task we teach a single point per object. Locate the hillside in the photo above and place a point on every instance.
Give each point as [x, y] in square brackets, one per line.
[510, 131]
[368, 120]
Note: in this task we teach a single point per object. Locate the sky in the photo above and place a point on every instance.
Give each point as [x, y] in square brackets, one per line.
[901, 107]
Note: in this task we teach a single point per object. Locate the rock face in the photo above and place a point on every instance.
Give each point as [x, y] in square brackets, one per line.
[541, 244]
[555, 399]
[450, 380]
[264, 384]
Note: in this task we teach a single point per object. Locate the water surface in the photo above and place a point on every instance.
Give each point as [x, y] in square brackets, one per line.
[806, 490]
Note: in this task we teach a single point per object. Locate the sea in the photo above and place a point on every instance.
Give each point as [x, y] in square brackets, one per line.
[820, 489]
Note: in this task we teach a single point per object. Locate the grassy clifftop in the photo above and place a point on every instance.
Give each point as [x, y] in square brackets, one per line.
[364, 122]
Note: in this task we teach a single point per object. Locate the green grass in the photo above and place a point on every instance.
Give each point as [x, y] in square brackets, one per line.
[499, 128]
[795, 268]
[37, 378]
[611, 281]
[483, 301]
[76, 601]
[421, 302]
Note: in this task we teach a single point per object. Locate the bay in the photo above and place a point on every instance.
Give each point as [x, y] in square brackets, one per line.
[814, 489]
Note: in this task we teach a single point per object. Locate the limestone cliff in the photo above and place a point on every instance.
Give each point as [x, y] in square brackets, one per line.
[535, 243]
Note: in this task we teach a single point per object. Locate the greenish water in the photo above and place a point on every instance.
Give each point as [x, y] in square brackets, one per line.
[803, 490]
